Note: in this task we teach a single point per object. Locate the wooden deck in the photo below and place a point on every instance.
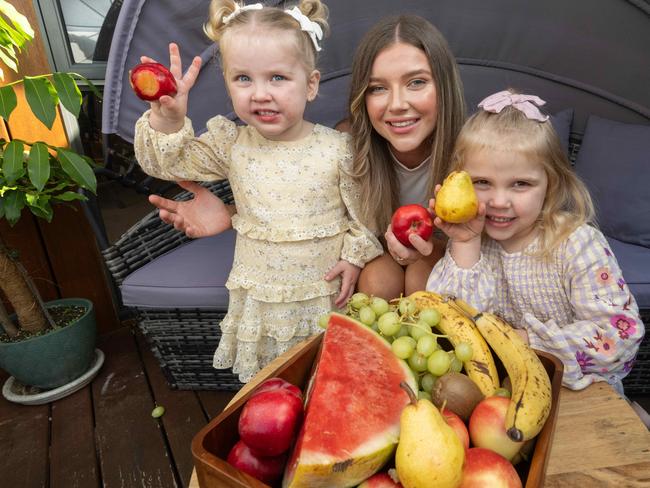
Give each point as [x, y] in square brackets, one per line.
[104, 435]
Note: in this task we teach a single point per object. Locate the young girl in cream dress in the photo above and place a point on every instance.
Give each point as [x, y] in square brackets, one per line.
[297, 207]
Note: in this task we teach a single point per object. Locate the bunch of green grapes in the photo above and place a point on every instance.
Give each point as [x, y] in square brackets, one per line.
[411, 337]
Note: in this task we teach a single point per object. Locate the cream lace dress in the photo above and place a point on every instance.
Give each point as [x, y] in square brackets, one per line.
[296, 218]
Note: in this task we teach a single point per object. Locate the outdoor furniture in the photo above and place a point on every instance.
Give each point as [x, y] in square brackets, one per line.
[587, 59]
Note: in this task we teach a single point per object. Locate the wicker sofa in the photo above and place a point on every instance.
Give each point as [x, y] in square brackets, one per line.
[551, 54]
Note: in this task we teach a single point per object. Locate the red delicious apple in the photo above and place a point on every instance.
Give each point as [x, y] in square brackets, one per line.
[456, 423]
[270, 420]
[275, 384]
[380, 480]
[266, 469]
[150, 81]
[485, 468]
[411, 219]
[487, 427]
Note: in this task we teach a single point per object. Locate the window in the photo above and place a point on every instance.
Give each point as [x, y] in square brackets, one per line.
[78, 34]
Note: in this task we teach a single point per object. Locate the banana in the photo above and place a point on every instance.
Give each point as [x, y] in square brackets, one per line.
[530, 403]
[459, 328]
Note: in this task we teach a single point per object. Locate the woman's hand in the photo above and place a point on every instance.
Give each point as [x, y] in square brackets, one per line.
[204, 215]
[405, 255]
[168, 113]
[349, 275]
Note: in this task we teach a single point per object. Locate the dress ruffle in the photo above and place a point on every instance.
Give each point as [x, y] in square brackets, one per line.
[277, 292]
[253, 333]
[255, 230]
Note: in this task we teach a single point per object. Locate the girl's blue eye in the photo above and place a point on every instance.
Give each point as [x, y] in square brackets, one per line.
[243, 78]
[521, 184]
[277, 78]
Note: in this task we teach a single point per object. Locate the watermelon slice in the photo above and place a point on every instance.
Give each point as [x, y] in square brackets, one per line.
[351, 424]
[380, 480]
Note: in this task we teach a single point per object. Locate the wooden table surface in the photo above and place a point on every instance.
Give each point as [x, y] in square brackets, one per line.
[599, 440]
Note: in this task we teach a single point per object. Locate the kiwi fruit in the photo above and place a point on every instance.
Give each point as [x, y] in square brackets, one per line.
[458, 393]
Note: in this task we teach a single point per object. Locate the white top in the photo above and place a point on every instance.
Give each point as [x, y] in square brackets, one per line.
[576, 306]
[413, 182]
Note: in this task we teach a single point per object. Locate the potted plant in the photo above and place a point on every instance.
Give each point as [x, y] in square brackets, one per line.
[46, 345]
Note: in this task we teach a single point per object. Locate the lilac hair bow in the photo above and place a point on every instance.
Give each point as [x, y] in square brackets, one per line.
[525, 103]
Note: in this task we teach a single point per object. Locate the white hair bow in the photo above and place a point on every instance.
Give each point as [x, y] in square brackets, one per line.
[239, 9]
[309, 26]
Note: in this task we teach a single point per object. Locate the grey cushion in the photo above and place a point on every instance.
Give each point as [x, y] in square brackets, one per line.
[613, 161]
[635, 263]
[192, 275]
[562, 124]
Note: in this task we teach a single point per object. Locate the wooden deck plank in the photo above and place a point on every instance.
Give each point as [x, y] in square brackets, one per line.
[24, 438]
[72, 447]
[215, 401]
[130, 443]
[183, 416]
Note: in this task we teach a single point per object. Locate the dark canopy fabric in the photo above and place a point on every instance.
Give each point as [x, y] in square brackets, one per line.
[589, 55]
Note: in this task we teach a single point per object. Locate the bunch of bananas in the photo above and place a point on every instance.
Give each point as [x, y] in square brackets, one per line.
[530, 403]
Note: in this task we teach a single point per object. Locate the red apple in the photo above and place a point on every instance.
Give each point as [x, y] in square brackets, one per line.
[487, 427]
[269, 421]
[411, 219]
[266, 469]
[275, 384]
[456, 423]
[150, 81]
[485, 468]
[380, 480]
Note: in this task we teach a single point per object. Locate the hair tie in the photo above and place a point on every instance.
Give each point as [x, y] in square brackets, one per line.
[527, 104]
[239, 9]
[307, 25]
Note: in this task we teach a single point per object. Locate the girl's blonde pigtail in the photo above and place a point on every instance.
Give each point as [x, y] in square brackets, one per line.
[317, 12]
[219, 9]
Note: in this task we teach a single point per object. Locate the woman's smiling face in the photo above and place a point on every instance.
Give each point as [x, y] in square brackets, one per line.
[401, 100]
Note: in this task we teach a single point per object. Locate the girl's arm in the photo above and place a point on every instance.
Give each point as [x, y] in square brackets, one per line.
[600, 345]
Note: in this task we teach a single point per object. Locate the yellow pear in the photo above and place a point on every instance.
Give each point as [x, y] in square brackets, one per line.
[429, 452]
[456, 201]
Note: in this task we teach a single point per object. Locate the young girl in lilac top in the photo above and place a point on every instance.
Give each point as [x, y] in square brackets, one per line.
[531, 255]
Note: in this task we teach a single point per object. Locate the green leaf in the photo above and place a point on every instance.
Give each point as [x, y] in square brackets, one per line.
[14, 201]
[8, 101]
[38, 165]
[19, 21]
[69, 196]
[13, 167]
[68, 92]
[9, 58]
[38, 91]
[40, 206]
[77, 168]
[88, 83]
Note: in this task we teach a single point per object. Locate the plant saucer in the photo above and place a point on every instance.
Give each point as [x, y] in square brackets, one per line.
[16, 392]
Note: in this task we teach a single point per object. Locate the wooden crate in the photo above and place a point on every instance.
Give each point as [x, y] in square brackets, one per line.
[211, 445]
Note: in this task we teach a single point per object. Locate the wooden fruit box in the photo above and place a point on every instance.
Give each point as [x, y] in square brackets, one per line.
[211, 445]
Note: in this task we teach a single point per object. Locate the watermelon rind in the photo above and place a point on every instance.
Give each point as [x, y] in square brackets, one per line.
[314, 467]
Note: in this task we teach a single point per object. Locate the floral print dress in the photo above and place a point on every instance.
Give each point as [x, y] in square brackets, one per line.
[576, 306]
[296, 218]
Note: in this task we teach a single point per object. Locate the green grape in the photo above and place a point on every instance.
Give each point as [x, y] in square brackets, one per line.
[407, 307]
[502, 392]
[424, 395]
[456, 365]
[389, 323]
[417, 362]
[403, 331]
[379, 306]
[428, 381]
[426, 345]
[464, 351]
[367, 315]
[439, 362]
[375, 326]
[420, 329]
[403, 347]
[358, 300]
[323, 321]
[431, 316]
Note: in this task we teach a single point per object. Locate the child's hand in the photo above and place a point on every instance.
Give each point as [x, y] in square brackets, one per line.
[405, 255]
[460, 232]
[168, 113]
[349, 276]
[203, 215]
